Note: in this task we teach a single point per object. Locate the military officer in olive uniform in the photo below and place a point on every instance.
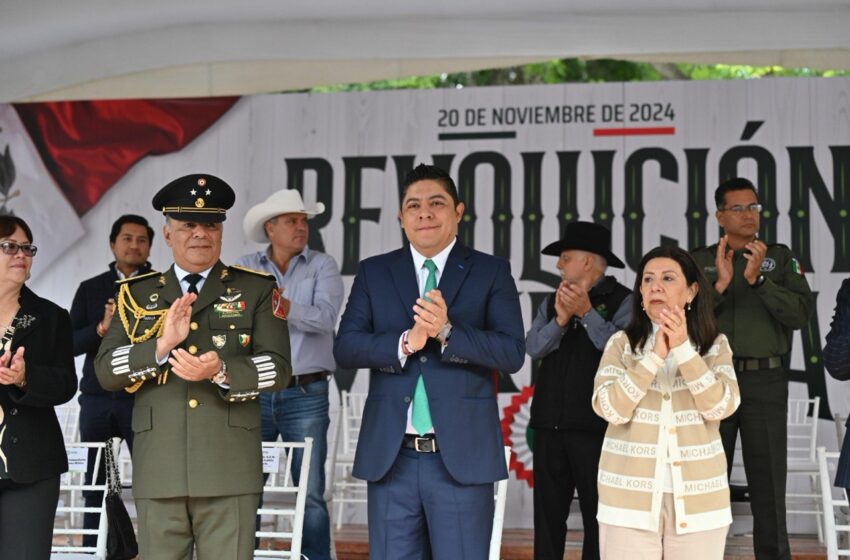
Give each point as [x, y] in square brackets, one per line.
[197, 344]
[760, 298]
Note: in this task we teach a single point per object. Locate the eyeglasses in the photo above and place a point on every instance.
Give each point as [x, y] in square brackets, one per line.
[739, 208]
[12, 248]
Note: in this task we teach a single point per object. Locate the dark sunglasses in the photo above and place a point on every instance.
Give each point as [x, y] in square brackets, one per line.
[12, 248]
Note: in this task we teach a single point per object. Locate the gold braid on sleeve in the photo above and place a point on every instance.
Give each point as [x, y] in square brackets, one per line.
[126, 306]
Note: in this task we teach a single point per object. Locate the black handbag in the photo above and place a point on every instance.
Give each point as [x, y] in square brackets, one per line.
[120, 537]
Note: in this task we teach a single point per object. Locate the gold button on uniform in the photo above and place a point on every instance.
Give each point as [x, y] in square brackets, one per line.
[683, 524]
[232, 327]
[666, 396]
[193, 325]
[193, 349]
[193, 403]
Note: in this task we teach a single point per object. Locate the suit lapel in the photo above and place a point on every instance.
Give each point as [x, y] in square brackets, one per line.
[27, 319]
[456, 270]
[213, 288]
[404, 280]
[168, 288]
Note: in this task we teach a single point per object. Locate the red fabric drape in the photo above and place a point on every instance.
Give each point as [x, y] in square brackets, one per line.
[89, 145]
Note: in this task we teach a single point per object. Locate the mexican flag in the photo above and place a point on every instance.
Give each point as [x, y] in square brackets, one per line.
[58, 159]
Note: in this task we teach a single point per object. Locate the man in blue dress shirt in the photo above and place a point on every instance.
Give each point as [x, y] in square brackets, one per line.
[311, 287]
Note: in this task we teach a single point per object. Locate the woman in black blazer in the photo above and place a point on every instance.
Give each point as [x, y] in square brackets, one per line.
[36, 374]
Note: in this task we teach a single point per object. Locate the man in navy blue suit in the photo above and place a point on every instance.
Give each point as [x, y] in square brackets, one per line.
[836, 360]
[431, 322]
[106, 414]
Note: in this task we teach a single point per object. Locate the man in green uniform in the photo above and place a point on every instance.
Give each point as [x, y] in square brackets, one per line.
[198, 344]
[760, 297]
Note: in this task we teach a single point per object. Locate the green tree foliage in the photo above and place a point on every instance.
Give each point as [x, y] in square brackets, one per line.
[584, 71]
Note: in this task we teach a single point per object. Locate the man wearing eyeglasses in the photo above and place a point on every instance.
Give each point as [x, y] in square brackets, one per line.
[760, 298]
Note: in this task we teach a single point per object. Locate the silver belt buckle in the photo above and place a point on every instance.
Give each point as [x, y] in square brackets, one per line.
[427, 445]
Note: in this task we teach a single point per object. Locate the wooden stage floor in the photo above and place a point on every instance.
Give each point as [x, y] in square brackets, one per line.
[517, 544]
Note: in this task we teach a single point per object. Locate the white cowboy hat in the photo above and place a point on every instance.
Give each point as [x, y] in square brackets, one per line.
[284, 201]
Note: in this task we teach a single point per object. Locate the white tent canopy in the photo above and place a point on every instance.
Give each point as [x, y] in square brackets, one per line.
[85, 49]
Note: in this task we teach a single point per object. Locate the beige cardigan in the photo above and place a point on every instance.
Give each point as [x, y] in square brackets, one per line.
[649, 420]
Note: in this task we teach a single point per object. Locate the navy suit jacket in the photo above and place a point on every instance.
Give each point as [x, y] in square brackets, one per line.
[86, 313]
[487, 334]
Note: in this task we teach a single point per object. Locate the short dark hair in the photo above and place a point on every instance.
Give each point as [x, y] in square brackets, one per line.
[8, 224]
[424, 172]
[733, 184]
[702, 325]
[130, 219]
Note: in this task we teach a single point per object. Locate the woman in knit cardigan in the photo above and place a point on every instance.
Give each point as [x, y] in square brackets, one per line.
[663, 385]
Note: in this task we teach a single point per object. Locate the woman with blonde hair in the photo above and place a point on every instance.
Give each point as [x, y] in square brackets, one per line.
[663, 384]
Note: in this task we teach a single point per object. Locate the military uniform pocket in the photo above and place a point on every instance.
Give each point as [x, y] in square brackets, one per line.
[142, 419]
[229, 319]
[243, 416]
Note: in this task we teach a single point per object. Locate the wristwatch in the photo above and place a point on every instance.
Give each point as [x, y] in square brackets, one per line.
[220, 377]
[445, 333]
[759, 281]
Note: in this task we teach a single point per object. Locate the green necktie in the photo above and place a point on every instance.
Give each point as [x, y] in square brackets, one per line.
[420, 416]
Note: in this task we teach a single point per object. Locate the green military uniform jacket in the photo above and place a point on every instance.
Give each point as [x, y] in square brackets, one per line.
[759, 321]
[198, 439]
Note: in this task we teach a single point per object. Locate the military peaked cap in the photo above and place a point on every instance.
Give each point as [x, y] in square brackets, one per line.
[195, 198]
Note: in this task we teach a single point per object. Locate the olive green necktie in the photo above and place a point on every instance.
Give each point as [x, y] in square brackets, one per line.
[420, 416]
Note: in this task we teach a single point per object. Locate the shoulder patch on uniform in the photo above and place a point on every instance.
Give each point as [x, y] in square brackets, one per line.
[252, 271]
[138, 277]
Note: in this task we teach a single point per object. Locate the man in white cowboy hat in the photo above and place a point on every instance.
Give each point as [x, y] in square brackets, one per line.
[312, 292]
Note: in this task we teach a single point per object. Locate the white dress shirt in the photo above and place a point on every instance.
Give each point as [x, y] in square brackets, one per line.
[422, 277]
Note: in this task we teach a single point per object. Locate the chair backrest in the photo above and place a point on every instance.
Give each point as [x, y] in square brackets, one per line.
[834, 505]
[68, 525]
[840, 429]
[803, 429]
[352, 413]
[333, 448]
[68, 415]
[283, 498]
[501, 498]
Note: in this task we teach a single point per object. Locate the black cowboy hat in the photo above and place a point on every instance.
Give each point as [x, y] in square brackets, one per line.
[585, 236]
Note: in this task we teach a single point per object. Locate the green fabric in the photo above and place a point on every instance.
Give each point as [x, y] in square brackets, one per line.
[420, 416]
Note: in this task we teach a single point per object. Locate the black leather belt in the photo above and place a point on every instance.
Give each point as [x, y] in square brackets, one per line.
[306, 379]
[422, 444]
[752, 364]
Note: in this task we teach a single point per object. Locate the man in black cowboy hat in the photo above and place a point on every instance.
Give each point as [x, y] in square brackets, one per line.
[197, 344]
[568, 335]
